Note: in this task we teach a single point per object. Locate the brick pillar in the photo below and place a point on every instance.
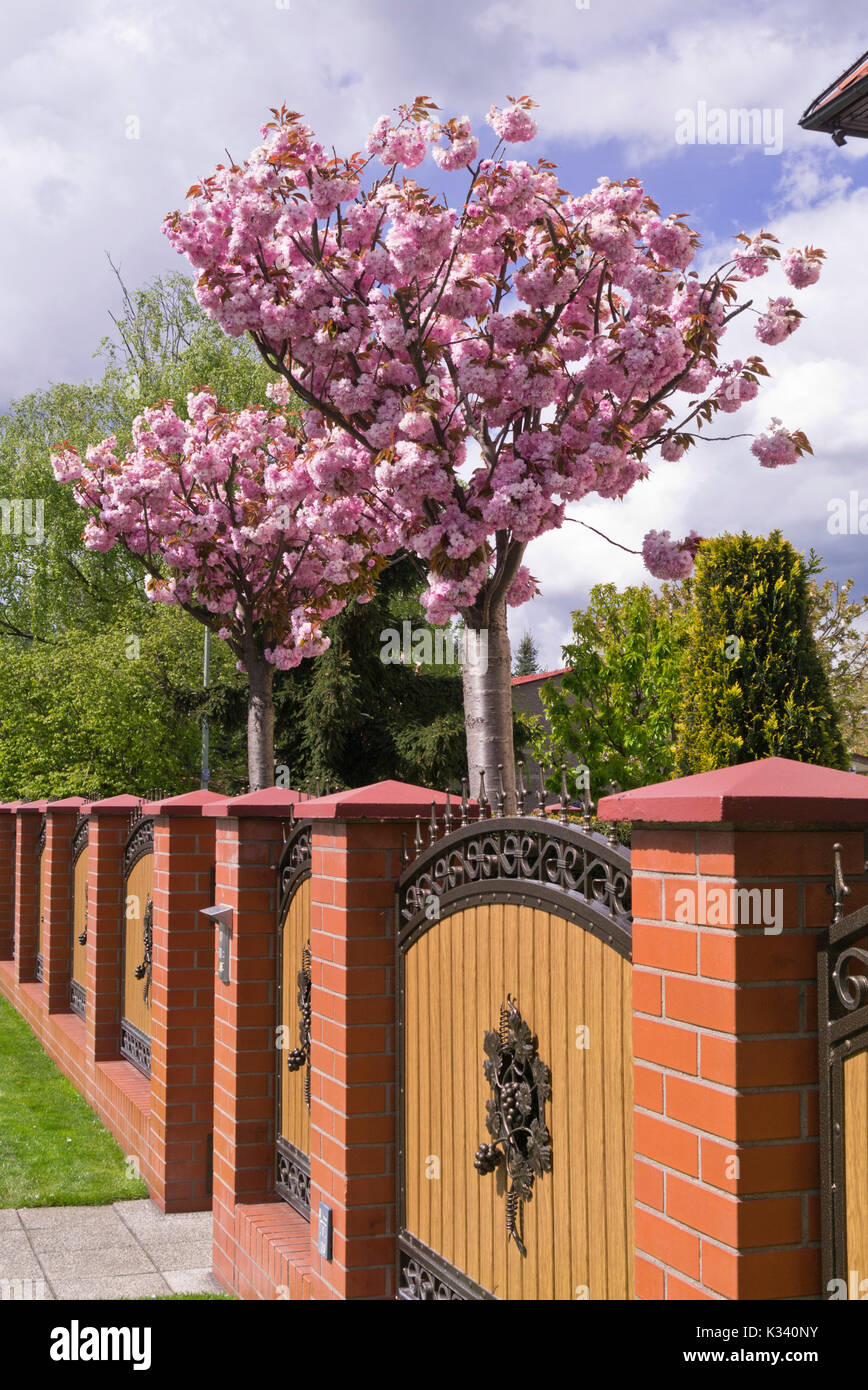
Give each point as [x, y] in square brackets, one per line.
[109, 825]
[58, 905]
[182, 1013]
[249, 840]
[7, 881]
[356, 863]
[726, 1135]
[28, 815]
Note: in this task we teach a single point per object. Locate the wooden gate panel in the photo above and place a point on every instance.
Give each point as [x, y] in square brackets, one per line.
[294, 1111]
[856, 1160]
[40, 910]
[578, 1225]
[293, 1053]
[136, 1008]
[78, 988]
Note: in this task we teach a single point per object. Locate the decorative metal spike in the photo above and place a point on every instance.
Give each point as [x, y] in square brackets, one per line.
[464, 801]
[417, 843]
[447, 814]
[433, 832]
[565, 796]
[500, 799]
[307, 788]
[403, 849]
[520, 792]
[483, 798]
[541, 793]
[839, 889]
[316, 786]
[587, 810]
[612, 835]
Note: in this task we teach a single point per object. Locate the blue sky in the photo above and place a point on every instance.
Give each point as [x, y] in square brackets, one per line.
[192, 77]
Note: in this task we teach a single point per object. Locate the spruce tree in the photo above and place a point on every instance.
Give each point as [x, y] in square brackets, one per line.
[526, 658]
[754, 683]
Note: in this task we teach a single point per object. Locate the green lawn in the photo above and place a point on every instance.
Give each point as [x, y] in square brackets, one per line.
[54, 1152]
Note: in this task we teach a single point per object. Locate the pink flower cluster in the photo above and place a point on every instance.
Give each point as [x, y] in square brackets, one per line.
[780, 319]
[469, 368]
[776, 448]
[668, 559]
[224, 511]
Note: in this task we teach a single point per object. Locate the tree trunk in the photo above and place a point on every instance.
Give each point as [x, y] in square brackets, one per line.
[487, 676]
[260, 724]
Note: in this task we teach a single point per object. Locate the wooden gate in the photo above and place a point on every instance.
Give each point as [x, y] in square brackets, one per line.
[42, 865]
[80, 854]
[843, 1037]
[292, 1086]
[515, 1046]
[138, 943]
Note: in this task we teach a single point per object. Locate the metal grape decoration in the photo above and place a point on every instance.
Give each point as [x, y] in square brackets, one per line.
[520, 1085]
[299, 1057]
[143, 971]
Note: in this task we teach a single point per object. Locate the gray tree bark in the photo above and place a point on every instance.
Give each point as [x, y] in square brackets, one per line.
[260, 724]
[487, 679]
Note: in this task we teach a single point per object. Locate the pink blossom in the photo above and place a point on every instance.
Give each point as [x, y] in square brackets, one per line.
[776, 448]
[554, 331]
[668, 559]
[802, 268]
[514, 124]
[780, 319]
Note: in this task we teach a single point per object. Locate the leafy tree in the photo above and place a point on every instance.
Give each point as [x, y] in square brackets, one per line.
[614, 710]
[754, 682]
[526, 658]
[839, 626]
[92, 712]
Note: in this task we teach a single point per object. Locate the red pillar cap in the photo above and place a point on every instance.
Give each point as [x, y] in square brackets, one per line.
[187, 804]
[68, 803]
[379, 801]
[116, 803]
[268, 801]
[770, 791]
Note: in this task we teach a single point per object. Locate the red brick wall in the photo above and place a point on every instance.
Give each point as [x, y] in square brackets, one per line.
[725, 1037]
[7, 882]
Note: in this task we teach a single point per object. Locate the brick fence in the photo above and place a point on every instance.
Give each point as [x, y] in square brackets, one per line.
[730, 875]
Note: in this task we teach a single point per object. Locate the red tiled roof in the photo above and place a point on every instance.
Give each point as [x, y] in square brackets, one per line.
[858, 71]
[539, 676]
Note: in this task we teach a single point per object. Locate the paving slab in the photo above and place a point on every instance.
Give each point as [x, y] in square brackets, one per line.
[192, 1281]
[178, 1254]
[115, 1251]
[80, 1264]
[71, 1239]
[121, 1286]
[60, 1218]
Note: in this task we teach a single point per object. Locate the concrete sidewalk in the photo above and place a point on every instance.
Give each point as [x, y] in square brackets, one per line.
[126, 1250]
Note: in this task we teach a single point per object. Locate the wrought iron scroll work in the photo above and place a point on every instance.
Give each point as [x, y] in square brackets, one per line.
[299, 1057]
[421, 1285]
[530, 857]
[520, 1085]
[292, 1178]
[80, 835]
[294, 864]
[144, 970]
[140, 841]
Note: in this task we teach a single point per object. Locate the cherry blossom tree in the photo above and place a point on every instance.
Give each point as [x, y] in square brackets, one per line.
[472, 367]
[223, 513]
